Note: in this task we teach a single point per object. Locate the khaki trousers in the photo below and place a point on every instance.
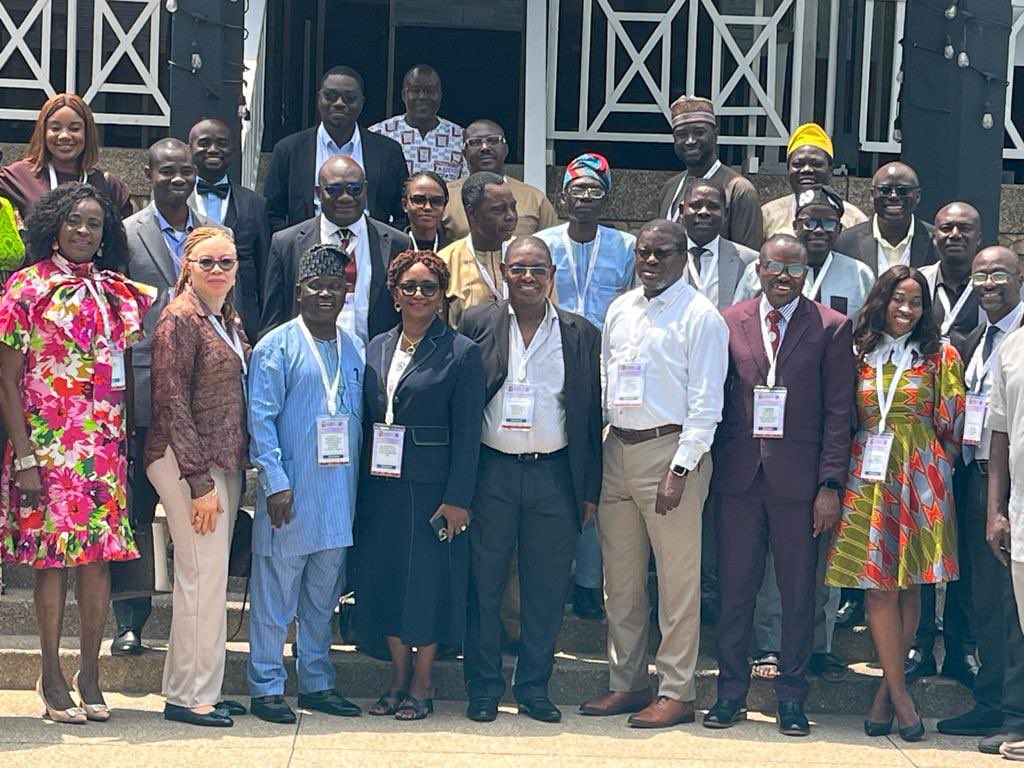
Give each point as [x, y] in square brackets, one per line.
[194, 668]
[629, 527]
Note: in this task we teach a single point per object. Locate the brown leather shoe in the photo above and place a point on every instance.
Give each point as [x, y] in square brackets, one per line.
[617, 703]
[663, 713]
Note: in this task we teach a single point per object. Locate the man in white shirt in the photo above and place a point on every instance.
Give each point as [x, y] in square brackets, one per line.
[664, 361]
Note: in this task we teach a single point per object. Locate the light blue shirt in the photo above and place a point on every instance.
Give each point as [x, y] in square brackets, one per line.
[175, 240]
[611, 275]
[326, 148]
[286, 396]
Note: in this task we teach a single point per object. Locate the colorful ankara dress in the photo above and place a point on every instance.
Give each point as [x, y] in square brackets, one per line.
[75, 417]
[901, 532]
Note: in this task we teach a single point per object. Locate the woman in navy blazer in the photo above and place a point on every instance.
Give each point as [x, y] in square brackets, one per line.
[413, 586]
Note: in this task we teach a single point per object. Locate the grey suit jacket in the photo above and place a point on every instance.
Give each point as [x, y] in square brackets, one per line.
[733, 258]
[150, 262]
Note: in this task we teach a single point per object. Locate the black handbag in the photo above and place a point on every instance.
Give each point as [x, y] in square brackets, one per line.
[240, 559]
[147, 575]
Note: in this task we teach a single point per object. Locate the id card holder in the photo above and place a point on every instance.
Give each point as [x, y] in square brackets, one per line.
[332, 440]
[629, 391]
[386, 456]
[769, 411]
[118, 380]
[875, 462]
[974, 419]
[517, 411]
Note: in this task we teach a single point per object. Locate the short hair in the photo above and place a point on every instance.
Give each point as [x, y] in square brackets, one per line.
[52, 210]
[434, 177]
[407, 259]
[782, 238]
[526, 240]
[707, 184]
[425, 69]
[39, 154]
[347, 72]
[215, 120]
[473, 189]
[169, 142]
[672, 228]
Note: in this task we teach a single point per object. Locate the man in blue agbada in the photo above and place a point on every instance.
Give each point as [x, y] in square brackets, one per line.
[305, 412]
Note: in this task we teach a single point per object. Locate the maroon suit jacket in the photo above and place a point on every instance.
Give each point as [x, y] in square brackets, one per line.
[816, 365]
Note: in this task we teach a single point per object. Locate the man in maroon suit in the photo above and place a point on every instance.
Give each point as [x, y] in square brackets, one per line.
[780, 455]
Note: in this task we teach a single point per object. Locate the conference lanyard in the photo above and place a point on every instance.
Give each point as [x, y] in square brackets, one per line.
[503, 293]
[954, 312]
[53, 177]
[412, 237]
[581, 297]
[231, 340]
[330, 387]
[819, 279]
[885, 403]
[673, 214]
[770, 353]
[701, 280]
[97, 295]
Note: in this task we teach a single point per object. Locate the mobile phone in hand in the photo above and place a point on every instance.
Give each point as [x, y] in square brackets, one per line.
[440, 526]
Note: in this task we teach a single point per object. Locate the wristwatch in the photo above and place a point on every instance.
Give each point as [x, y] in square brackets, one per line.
[832, 485]
[28, 462]
[679, 470]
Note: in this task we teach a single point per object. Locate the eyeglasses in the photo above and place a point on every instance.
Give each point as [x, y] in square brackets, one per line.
[826, 225]
[351, 98]
[420, 201]
[587, 193]
[353, 188]
[226, 264]
[998, 278]
[425, 92]
[776, 268]
[518, 270]
[888, 190]
[427, 289]
[490, 141]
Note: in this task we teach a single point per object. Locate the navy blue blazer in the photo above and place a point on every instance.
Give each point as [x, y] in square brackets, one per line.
[439, 401]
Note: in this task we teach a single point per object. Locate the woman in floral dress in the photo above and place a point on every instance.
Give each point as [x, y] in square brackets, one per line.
[66, 323]
[898, 528]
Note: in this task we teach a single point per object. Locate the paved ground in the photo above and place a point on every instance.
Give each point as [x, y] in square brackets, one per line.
[139, 737]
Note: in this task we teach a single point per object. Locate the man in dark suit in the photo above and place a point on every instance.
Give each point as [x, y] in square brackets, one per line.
[156, 241]
[781, 456]
[297, 158]
[371, 245]
[539, 478]
[893, 235]
[238, 208]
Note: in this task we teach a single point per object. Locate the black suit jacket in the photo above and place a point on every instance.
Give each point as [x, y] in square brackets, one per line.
[488, 325]
[292, 177]
[859, 242]
[286, 249]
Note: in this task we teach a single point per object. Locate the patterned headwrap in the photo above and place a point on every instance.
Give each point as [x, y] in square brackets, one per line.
[325, 260]
[821, 196]
[589, 164]
[810, 134]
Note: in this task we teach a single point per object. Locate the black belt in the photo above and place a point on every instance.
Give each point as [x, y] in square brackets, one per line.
[982, 465]
[634, 436]
[521, 458]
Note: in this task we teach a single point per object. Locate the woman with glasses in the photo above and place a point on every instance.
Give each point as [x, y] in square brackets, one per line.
[424, 199]
[196, 449]
[898, 527]
[423, 407]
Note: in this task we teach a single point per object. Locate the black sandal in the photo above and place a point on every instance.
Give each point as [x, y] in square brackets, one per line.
[419, 707]
[386, 708]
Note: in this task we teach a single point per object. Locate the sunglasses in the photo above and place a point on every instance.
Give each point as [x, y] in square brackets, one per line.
[587, 193]
[998, 278]
[518, 270]
[826, 225]
[207, 264]
[353, 188]
[888, 190]
[351, 98]
[421, 201]
[776, 268]
[490, 141]
[427, 289]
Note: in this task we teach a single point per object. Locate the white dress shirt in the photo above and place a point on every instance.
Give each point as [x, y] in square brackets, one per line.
[354, 315]
[978, 375]
[1006, 414]
[707, 281]
[542, 367]
[326, 148]
[684, 342]
[786, 311]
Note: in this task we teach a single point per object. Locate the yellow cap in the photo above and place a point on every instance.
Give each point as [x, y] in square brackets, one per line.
[812, 135]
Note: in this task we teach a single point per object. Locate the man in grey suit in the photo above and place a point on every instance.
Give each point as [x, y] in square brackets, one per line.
[156, 243]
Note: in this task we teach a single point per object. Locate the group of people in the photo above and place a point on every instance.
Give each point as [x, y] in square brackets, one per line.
[453, 399]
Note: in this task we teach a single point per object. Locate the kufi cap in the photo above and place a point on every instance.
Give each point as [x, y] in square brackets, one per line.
[324, 260]
[821, 196]
[810, 134]
[692, 109]
[589, 165]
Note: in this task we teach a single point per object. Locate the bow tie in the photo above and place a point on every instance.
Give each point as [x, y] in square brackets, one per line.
[220, 189]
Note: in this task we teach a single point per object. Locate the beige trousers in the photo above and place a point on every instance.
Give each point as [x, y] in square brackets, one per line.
[628, 528]
[194, 669]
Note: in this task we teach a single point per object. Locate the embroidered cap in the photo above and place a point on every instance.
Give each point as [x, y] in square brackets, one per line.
[324, 260]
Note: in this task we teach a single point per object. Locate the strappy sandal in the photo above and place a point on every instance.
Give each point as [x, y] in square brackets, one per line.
[765, 666]
[384, 707]
[420, 708]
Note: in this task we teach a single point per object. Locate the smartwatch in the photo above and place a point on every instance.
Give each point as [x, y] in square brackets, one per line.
[832, 485]
[679, 470]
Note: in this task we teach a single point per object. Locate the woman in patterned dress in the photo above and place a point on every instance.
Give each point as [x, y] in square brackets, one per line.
[66, 323]
[898, 528]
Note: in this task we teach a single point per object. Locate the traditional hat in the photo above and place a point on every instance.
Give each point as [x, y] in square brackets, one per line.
[323, 260]
[824, 195]
[810, 134]
[590, 165]
[692, 109]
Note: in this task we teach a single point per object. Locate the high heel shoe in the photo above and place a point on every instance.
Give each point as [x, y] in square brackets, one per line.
[98, 713]
[71, 715]
[913, 732]
[873, 728]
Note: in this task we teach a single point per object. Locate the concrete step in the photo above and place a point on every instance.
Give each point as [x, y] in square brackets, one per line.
[575, 679]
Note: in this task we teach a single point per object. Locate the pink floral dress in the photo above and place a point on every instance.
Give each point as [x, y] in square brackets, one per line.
[76, 420]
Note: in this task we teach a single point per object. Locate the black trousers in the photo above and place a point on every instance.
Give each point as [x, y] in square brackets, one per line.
[532, 504]
[134, 612]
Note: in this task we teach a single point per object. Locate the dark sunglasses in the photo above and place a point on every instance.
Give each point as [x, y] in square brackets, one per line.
[353, 188]
[585, 193]
[776, 268]
[887, 190]
[998, 278]
[420, 201]
[518, 270]
[827, 225]
[351, 98]
[207, 264]
[427, 289]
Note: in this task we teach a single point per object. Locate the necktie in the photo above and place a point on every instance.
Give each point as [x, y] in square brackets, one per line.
[990, 341]
[346, 240]
[775, 330]
[695, 253]
[220, 189]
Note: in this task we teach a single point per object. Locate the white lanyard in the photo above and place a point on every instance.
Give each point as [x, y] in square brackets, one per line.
[581, 297]
[525, 354]
[885, 405]
[394, 378]
[412, 237]
[502, 294]
[330, 387]
[951, 313]
[97, 296]
[701, 280]
[53, 177]
[818, 279]
[673, 214]
[769, 352]
[232, 341]
[977, 370]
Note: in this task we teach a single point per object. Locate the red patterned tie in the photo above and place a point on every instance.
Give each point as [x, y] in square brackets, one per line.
[774, 331]
[345, 239]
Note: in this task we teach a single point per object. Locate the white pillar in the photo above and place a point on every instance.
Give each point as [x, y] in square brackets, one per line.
[535, 114]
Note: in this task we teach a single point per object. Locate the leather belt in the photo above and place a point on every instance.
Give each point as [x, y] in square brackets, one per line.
[522, 458]
[982, 465]
[634, 436]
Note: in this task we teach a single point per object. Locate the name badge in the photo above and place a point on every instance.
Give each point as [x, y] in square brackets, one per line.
[517, 412]
[386, 457]
[769, 411]
[629, 392]
[332, 440]
[118, 380]
[974, 419]
[875, 462]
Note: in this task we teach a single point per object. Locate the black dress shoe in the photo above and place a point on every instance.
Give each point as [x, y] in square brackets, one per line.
[273, 709]
[127, 643]
[540, 709]
[965, 669]
[217, 718]
[586, 603]
[792, 720]
[233, 708]
[482, 709]
[918, 665]
[850, 613]
[725, 714]
[990, 744]
[977, 722]
[331, 702]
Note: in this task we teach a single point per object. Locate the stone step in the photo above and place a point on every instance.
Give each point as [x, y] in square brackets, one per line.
[575, 678]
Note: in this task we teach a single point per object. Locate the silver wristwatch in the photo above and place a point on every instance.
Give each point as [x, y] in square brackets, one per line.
[28, 462]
